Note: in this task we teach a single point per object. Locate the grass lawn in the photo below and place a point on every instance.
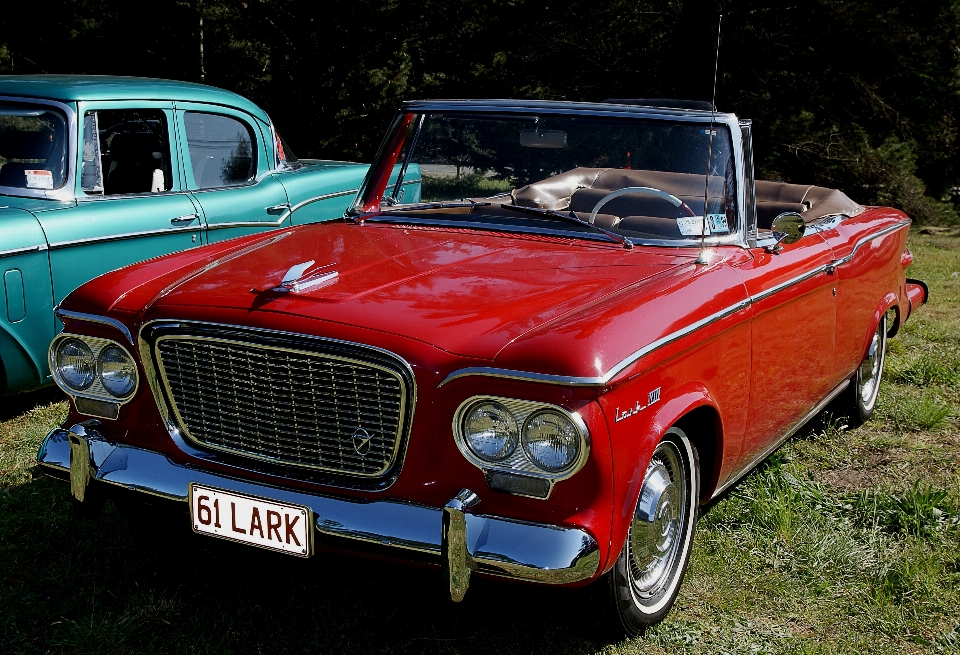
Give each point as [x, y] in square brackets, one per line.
[845, 541]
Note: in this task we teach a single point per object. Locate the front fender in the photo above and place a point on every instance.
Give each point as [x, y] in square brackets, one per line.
[635, 430]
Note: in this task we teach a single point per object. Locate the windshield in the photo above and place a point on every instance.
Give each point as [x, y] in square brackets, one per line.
[33, 146]
[639, 178]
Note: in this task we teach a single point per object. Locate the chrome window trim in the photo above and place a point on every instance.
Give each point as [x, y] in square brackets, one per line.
[68, 190]
[177, 433]
[604, 110]
[93, 318]
[604, 379]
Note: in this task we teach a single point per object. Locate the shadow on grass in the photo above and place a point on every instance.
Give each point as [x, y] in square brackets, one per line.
[13, 406]
[98, 582]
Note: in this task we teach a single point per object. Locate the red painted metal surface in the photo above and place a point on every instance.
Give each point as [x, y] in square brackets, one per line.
[445, 300]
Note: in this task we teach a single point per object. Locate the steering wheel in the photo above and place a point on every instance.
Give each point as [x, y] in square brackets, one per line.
[650, 191]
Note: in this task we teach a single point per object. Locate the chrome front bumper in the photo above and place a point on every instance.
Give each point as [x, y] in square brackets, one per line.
[461, 541]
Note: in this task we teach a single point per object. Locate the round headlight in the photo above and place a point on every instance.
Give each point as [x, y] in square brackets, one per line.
[551, 440]
[75, 364]
[490, 431]
[118, 373]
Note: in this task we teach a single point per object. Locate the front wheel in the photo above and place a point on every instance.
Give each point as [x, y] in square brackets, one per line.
[645, 580]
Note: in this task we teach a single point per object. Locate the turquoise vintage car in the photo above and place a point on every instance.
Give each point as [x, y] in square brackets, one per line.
[100, 172]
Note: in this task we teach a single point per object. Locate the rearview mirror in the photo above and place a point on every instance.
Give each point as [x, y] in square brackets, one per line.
[787, 228]
[545, 139]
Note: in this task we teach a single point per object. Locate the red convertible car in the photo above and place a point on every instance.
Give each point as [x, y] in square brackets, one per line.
[582, 323]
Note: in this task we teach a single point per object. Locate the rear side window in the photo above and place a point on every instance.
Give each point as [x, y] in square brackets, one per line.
[221, 148]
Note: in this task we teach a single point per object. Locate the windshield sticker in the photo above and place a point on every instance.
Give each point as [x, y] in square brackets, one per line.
[39, 179]
[692, 226]
[717, 223]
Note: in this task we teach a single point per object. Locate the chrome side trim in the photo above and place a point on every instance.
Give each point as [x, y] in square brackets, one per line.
[121, 237]
[779, 442]
[22, 251]
[284, 216]
[508, 548]
[93, 318]
[865, 240]
[600, 380]
[604, 379]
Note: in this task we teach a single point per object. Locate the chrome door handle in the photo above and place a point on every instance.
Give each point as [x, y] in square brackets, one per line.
[185, 219]
[278, 209]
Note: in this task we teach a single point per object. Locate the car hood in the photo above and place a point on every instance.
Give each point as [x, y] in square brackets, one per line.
[466, 292]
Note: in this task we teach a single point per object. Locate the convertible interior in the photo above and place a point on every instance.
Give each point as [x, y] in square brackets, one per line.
[581, 189]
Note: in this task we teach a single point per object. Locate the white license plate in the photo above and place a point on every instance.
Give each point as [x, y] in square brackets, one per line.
[251, 520]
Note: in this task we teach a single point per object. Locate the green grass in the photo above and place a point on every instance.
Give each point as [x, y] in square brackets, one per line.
[474, 185]
[845, 541]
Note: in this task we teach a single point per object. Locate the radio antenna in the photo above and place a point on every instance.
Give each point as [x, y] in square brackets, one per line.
[702, 257]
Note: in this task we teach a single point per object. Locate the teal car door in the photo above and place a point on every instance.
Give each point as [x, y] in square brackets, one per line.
[131, 204]
[229, 169]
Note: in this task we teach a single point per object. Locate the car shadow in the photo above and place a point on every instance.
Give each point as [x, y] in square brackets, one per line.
[103, 579]
[19, 404]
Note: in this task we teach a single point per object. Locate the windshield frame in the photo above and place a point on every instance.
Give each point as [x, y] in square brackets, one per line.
[68, 190]
[370, 200]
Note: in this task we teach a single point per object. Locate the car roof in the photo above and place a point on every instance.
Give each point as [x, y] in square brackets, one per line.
[557, 106]
[71, 88]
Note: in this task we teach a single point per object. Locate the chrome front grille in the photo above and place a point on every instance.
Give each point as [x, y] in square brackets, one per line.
[287, 406]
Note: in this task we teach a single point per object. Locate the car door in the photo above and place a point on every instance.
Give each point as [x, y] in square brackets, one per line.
[792, 335]
[229, 170]
[131, 203]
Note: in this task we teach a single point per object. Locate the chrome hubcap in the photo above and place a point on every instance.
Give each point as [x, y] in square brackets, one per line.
[869, 372]
[657, 526]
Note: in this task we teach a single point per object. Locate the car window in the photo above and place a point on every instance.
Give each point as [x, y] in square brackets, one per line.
[286, 160]
[221, 150]
[125, 151]
[33, 146]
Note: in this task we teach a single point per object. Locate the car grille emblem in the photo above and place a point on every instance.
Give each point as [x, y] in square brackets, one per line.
[361, 441]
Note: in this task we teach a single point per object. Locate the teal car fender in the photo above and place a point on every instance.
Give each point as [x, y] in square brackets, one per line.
[26, 311]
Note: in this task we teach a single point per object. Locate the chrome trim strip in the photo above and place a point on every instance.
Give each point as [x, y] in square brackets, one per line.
[508, 548]
[21, 251]
[121, 237]
[284, 216]
[93, 318]
[779, 442]
[603, 380]
[865, 240]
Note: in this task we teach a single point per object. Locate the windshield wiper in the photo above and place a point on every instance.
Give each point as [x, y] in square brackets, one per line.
[433, 205]
[571, 218]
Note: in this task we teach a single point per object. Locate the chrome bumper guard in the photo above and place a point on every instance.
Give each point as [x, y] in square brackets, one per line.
[462, 542]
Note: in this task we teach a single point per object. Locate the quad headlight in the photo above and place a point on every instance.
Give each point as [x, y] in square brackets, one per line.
[521, 438]
[117, 372]
[75, 364]
[490, 430]
[93, 368]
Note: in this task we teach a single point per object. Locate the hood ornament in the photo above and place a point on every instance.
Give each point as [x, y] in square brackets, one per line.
[305, 276]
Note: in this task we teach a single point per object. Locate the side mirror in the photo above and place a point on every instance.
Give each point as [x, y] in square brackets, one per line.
[787, 228]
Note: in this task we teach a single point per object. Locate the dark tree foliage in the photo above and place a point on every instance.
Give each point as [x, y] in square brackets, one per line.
[856, 94]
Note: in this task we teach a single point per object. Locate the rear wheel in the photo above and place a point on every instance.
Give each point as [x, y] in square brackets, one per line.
[860, 399]
[645, 580]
